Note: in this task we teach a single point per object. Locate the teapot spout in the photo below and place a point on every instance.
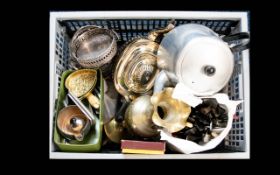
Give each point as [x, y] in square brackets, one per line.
[165, 79]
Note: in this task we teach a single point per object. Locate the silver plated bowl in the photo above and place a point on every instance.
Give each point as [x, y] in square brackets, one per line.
[94, 47]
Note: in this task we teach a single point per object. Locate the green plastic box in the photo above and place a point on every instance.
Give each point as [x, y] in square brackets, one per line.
[93, 140]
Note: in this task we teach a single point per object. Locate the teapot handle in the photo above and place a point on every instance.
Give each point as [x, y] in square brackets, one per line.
[238, 36]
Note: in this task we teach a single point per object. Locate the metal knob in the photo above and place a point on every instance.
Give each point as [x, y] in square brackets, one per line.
[76, 123]
[209, 70]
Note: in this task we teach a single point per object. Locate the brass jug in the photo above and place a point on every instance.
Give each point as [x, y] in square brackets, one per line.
[175, 112]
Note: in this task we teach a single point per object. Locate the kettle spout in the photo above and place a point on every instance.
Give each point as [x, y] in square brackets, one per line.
[153, 35]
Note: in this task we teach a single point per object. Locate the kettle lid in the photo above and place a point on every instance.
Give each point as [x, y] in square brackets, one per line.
[205, 65]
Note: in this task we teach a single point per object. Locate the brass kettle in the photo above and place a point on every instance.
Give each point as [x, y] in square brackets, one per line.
[136, 67]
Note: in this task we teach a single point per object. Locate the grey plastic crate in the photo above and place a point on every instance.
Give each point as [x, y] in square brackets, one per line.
[130, 24]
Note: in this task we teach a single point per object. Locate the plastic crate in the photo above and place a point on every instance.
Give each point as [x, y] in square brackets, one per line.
[130, 24]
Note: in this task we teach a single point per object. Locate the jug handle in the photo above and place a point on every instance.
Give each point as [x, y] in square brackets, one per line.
[238, 36]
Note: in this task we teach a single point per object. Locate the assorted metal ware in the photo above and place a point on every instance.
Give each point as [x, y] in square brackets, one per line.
[140, 81]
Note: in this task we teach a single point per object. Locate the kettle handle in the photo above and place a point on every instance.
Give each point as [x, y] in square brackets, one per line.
[120, 114]
[238, 36]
